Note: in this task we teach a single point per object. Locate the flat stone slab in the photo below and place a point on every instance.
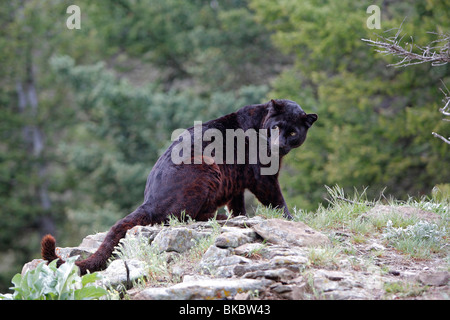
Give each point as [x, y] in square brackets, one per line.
[284, 232]
[210, 289]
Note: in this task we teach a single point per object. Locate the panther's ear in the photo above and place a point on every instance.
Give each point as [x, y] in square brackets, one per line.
[310, 119]
[276, 106]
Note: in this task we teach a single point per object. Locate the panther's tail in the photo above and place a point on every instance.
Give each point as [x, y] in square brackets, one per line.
[97, 261]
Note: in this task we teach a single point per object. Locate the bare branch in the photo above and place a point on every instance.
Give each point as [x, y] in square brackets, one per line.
[446, 109]
[441, 137]
[436, 52]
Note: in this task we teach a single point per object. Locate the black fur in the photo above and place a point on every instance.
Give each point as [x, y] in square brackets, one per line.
[200, 189]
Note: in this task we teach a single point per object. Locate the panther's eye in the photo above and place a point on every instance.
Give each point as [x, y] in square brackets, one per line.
[293, 133]
[275, 127]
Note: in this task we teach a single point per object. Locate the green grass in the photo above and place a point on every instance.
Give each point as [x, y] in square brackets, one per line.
[269, 212]
[341, 213]
[418, 240]
[404, 289]
[325, 257]
[415, 237]
[139, 247]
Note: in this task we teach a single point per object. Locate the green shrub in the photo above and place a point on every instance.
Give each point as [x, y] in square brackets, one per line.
[418, 240]
[47, 282]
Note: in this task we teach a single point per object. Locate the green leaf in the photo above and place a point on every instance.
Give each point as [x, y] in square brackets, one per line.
[17, 279]
[90, 278]
[90, 293]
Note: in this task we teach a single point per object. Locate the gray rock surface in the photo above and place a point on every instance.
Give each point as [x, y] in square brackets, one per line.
[117, 272]
[176, 239]
[278, 231]
[205, 289]
[258, 258]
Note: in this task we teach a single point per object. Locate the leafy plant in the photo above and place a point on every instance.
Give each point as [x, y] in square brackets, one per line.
[417, 239]
[48, 282]
[139, 247]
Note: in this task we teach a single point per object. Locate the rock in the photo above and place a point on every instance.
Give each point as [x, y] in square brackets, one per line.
[291, 262]
[394, 272]
[213, 254]
[295, 289]
[240, 270]
[232, 239]
[250, 249]
[221, 262]
[331, 275]
[149, 232]
[242, 221]
[284, 232]
[210, 289]
[176, 239]
[245, 231]
[346, 285]
[279, 275]
[376, 246]
[81, 252]
[30, 265]
[434, 279]
[93, 241]
[116, 273]
[243, 296]
[264, 259]
[272, 251]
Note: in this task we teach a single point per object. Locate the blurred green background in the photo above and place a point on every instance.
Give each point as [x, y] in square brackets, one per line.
[85, 113]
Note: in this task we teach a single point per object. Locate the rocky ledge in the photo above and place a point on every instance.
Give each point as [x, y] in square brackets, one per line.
[258, 258]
